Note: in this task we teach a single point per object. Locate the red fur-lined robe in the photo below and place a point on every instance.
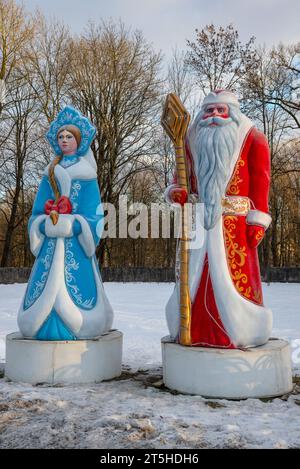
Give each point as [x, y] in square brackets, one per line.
[224, 275]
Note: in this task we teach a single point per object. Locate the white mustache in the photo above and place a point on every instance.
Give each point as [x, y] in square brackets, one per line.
[221, 121]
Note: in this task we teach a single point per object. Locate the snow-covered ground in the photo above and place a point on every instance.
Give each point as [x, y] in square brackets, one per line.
[134, 412]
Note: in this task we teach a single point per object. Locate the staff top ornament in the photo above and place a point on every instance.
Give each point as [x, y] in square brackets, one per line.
[71, 117]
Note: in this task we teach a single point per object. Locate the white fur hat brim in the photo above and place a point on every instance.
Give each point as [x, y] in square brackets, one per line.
[221, 97]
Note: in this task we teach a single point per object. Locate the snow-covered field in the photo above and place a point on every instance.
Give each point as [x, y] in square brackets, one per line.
[134, 412]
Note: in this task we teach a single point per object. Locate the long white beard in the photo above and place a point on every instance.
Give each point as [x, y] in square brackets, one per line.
[215, 147]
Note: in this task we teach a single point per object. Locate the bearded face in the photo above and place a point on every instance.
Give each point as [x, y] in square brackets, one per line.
[215, 140]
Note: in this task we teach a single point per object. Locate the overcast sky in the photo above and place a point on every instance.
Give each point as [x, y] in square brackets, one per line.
[168, 23]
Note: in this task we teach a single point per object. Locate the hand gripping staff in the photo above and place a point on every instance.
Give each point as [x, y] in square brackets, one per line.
[175, 121]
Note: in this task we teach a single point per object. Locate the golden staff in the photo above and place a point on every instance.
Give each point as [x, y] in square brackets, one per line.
[175, 121]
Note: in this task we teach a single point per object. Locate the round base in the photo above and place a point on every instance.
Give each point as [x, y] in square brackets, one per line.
[259, 372]
[63, 362]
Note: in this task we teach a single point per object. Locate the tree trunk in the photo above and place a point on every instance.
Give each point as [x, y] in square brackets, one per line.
[10, 227]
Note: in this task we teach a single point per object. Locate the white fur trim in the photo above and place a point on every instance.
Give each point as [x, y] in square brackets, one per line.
[86, 238]
[64, 180]
[82, 170]
[172, 312]
[256, 217]
[63, 228]
[62, 177]
[89, 157]
[224, 97]
[36, 238]
[85, 169]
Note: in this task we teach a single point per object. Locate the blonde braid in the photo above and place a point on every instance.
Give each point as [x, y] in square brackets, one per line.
[54, 215]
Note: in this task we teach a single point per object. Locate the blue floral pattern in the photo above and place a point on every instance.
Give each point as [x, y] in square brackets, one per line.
[66, 162]
[71, 266]
[76, 187]
[36, 289]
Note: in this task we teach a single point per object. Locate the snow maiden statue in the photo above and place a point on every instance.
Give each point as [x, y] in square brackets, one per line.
[65, 299]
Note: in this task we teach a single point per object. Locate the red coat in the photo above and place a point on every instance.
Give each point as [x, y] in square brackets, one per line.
[250, 178]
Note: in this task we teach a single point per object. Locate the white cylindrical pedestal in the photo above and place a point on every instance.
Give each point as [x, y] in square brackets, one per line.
[63, 362]
[259, 372]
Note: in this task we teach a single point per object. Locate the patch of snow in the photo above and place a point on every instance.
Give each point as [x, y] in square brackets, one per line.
[139, 314]
[131, 412]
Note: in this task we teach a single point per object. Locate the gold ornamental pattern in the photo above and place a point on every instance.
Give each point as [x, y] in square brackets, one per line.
[236, 259]
[233, 187]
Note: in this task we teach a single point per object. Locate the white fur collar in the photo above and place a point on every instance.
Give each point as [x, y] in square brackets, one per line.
[80, 170]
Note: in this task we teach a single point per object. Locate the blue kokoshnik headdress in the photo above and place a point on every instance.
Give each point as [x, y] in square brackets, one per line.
[70, 116]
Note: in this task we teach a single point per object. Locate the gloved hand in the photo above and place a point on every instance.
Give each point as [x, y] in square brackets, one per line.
[178, 195]
[255, 235]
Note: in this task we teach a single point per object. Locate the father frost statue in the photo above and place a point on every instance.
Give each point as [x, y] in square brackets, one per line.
[228, 165]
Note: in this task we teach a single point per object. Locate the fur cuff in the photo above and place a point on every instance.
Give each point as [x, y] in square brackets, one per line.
[256, 217]
[86, 238]
[36, 238]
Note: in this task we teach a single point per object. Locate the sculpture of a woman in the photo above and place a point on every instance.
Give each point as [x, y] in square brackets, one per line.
[65, 298]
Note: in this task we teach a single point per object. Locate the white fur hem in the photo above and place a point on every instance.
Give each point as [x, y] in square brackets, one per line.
[256, 217]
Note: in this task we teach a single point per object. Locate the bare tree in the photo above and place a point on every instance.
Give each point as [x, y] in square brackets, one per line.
[259, 84]
[287, 75]
[47, 65]
[180, 81]
[19, 158]
[115, 81]
[16, 29]
[218, 58]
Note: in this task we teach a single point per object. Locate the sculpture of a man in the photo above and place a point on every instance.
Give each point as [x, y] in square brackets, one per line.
[229, 170]
[65, 299]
